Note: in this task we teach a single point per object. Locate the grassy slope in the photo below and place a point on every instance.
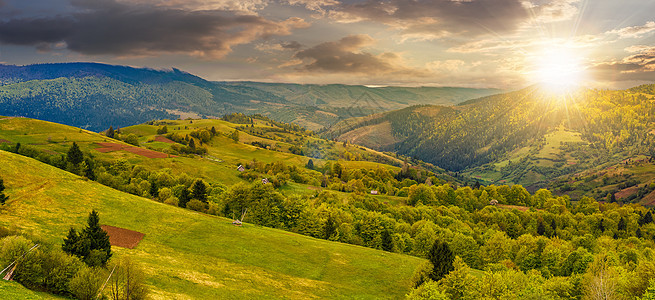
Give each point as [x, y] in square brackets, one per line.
[190, 255]
[13, 290]
[56, 138]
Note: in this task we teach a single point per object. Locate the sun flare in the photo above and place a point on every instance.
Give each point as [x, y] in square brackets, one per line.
[559, 70]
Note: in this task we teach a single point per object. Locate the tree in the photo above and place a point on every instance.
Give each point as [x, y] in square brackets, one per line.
[648, 218]
[213, 131]
[91, 245]
[310, 165]
[185, 197]
[110, 132]
[541, 229]
[441, 258]
[127, 282]
[75, 155]
[96, 237]
[330, 228]
[192, 144]
[387, 241]
[553, 225]
[621, 226]
[3, 198]
[199, 190]
[86, 283]
[601, 227]
[72, 243]
[235, 135]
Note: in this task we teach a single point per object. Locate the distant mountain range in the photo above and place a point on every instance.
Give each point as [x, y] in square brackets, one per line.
[95, 96]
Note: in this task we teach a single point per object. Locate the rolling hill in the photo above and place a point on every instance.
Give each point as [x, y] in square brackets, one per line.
[94, 96]
[526, 137]
[191, 255]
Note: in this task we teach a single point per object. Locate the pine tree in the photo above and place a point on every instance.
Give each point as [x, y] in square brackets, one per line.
[621, 226]
[72, 243]
[541, 229]
[192, 144]
[553, 225]
[638, 233]
[387, 241]
[442, 259]
[199, 191]
[185, 197]
[601, 227]
[75, 155]
[96, 237]
[329, 228]
[110, 132]
[3, 198]
[154, 191]
[213, 131]
[310, 165]
[648, 218]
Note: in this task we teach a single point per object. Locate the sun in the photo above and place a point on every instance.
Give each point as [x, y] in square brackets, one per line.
[558, 69]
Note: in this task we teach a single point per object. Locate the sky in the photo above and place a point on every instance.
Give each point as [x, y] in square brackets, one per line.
[503, 44]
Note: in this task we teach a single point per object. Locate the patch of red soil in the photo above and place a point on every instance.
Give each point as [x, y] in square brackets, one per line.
[110, 147]
[163, 139]
[648, 200]
[3, 141]
[627, 192]
[122, 237]
[314, 188]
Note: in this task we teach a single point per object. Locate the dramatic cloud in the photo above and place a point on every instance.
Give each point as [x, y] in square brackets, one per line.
[346, 56]
[552, 10]
[437, 18]
[110, 27]
[243, 6]
[635, 31]
[638, 66]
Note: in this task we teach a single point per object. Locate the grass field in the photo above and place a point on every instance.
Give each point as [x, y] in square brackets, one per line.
[13, 290]
[188, 255]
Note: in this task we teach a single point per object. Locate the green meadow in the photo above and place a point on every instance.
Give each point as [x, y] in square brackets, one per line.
[188, 255]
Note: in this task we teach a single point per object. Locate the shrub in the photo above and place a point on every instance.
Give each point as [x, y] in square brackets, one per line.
[86, 282]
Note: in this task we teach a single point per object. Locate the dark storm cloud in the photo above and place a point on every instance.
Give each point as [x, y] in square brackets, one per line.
[345, 56]
[109, 27]
[437, 17]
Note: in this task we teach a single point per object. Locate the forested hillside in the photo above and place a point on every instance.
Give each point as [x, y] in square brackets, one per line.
[526, 137]
[93, 96]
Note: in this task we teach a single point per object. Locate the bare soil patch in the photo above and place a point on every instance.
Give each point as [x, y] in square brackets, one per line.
[163, 139]
[627, 192]
[110, 147]
[3, 141]
[122, 237]
[648, 200]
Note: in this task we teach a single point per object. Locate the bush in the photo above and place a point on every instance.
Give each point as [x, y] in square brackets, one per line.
[86, 282]
[196, 205]
[127, 282]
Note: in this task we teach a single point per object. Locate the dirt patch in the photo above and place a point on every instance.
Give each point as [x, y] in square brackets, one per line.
[3, 141]
[315, 188]
[163, 139]
[648, 200]
[122, 237]
[625, 193]
[110, 147]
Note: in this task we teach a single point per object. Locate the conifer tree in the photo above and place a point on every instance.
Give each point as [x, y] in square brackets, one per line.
[185, 197]
[541, 229]
[110, 132]
[648, 218]
[3, 198]
[199, 191]
[310, 164]
[96, 237]
[387, 241]
[75, 155]
[72, 243]
[621, 226]
[441, 258]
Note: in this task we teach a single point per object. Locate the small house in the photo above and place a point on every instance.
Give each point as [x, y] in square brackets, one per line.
[240, 168]
[374, 192]
[493, 202]
[265, 181]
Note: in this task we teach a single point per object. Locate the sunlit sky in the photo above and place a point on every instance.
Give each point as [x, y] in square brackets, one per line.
[473, 43]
